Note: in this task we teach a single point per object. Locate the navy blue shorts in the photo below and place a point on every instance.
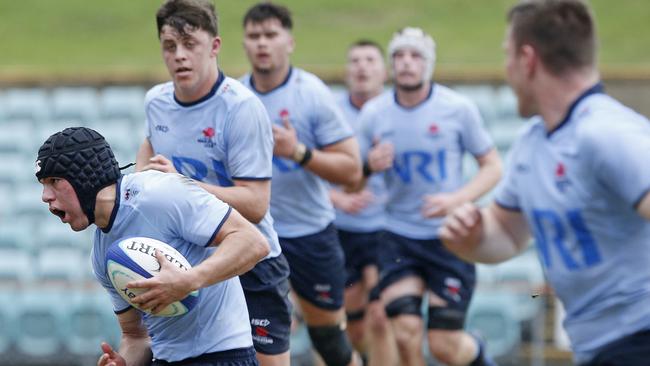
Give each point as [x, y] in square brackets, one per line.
[360, 251]
[233, 357]
[317, 267]
[446, 275]
[632, 350]
[266, 288]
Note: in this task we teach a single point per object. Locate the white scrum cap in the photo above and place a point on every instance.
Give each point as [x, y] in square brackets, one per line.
[414, 38]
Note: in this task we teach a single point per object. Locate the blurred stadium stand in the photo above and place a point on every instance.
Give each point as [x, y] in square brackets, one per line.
[51, 305]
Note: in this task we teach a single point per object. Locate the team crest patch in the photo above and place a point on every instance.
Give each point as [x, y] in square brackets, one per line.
[434, 130]
[284, 116]
[561, 179]
[130, 193]
[207, 137]
[37, 167]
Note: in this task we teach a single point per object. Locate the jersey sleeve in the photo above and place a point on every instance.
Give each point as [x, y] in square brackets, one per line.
[184, 209]
[474, 135]
[328, 123]
[99, 269]
[249, 140]
[620, 158]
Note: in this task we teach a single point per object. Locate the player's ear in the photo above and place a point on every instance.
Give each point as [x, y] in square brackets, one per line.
[530, 58]
[216, 45]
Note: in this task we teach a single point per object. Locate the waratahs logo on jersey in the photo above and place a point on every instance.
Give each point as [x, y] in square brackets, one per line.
[561, 179]
[130, 193]
[207, 135]
[284, 115]
[434, 130]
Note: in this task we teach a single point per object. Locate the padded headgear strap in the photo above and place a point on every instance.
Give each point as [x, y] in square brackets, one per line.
[83, 158]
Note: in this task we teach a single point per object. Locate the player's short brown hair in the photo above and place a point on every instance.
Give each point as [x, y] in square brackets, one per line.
[188, 14]
[561, 31]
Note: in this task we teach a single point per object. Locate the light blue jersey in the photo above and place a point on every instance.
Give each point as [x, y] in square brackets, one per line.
[578, 188]
[372, 217]
[430, 140]
[175, 210]
[222, 137]
[300, 202]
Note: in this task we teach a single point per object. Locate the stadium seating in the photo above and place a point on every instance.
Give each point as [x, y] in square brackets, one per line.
[41, 315]
[122, 102]
[76, 106]
[59, 265]
[8, 322]
[55, 234]
[15, 268]
[92, 321]
[29, 104]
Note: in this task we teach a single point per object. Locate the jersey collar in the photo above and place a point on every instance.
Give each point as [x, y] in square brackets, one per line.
[211, 93]
[283, 83]
[596, 89]
[417, 105]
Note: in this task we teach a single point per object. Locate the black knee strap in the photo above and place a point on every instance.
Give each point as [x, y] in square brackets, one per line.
[355, 316]
[332, 344]
[374, 294]
[405, 305]
[445, 318]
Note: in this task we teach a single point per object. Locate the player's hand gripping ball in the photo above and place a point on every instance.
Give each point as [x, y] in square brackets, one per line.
[134, 259]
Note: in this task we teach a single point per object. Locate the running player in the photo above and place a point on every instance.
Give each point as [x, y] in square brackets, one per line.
[82, 185]
[313, 145]
[578, 181]
[360, 218]
[210, 128]
[419, 132]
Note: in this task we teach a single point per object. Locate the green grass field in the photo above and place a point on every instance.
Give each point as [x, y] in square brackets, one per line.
[104, 40]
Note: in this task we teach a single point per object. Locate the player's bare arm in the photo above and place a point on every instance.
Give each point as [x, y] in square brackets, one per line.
[145, 152]
[489, 173]
[239, 247]
[351, 203]
[338, 163]
[488, 235]
[135, 345]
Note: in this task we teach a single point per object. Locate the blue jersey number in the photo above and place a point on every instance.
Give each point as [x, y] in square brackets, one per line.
[550, 231]
[419, 163]
[196, 170]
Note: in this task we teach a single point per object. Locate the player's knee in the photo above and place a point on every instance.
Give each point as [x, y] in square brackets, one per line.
[376, 318]
[356, 334]
[332, 344]
[445, 346]
[408, 333]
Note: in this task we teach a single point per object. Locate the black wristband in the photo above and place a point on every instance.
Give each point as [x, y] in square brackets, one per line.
[306, 157]
[366, 170]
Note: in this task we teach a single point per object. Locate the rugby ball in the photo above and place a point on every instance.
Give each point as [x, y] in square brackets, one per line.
[133, 259]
